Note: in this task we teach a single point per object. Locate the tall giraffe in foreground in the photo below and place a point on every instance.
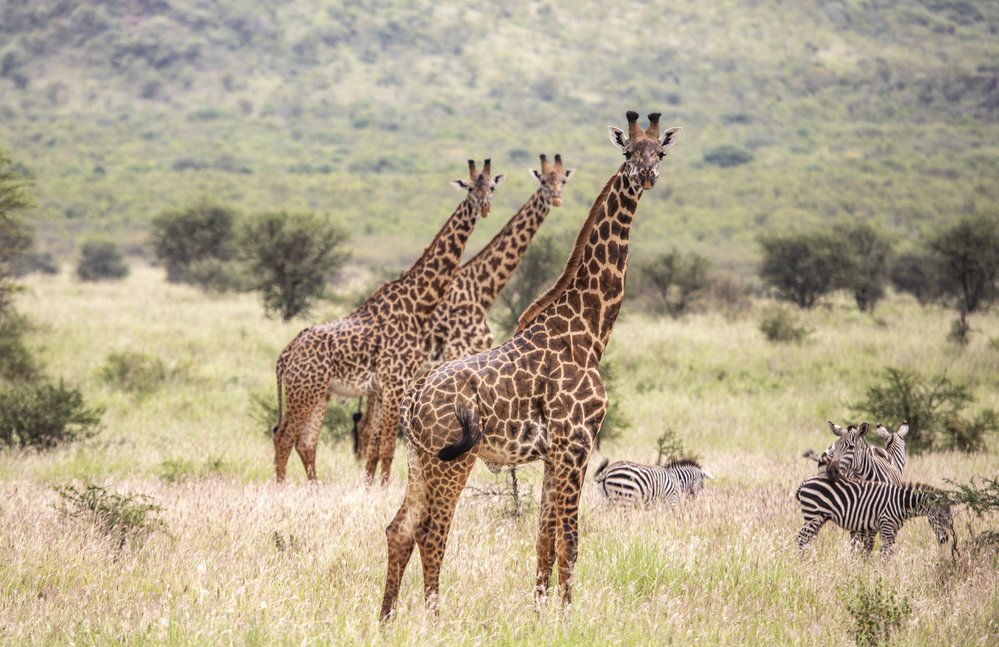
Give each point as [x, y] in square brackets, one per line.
[459, 326]
[537, 396]
[376, 350]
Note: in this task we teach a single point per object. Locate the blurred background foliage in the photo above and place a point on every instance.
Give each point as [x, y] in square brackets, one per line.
[795, 115]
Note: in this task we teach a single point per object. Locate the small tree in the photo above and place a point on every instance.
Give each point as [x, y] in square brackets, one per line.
[867, 265]
[967, 256]
[801, 268]
[674, 281]
[914, 272]
[43, 416]
[15, 239]
[195, 244]
[101, 260]
[291, 257]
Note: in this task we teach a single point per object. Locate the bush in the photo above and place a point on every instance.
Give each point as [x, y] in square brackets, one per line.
[133, 371]
[292, 257]
[782, 327]
[913, 273]
[801, 268]
[197, 244]
[16, 361]
[876, 611]
[43, 416]
[669, 447]
[338, 421]
[867, 264]
[674, 281]
[122, 517]
[933, 408]
[101, 260]
[728, 156]
[177, 470]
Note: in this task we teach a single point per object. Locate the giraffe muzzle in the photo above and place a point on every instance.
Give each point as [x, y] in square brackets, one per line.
[557, 201]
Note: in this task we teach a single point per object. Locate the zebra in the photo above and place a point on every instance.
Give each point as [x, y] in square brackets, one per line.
[894, 444]
[851, 457]
[644, 484]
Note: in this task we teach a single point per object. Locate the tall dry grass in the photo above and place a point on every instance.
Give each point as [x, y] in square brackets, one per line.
[242, 560]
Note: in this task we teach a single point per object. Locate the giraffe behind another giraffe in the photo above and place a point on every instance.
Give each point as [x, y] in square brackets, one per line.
[376, 350]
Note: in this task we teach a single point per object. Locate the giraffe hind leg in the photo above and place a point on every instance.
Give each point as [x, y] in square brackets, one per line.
[546, 538]
[401, 536]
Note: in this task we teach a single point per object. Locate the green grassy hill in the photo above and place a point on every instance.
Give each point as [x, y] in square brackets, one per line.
[861, 110]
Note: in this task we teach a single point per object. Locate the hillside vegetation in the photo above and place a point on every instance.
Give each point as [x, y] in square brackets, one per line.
[844, 110]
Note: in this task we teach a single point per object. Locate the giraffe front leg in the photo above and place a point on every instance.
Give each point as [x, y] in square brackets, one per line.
[546, 538]
[309, 438]
[389, 427]
[289, 430]
[444, 483]
[373, 427]
[570, 469]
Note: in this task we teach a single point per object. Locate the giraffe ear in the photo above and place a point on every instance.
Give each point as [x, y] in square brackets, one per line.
[617, 137]
[669, 137]
[498, 180]
[461, 184]
[537, 174]
[567, 173]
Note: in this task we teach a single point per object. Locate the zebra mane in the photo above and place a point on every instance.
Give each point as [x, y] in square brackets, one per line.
[682, 462]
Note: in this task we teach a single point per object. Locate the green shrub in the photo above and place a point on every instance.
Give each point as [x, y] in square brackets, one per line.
[101, 260]
[16, 362]
[177, 470]
[291, 258]
[133, 371]
[673, 282]
[338, 421]
[669, 447]
[782, 327]
[42, 416]
[867, 263]
[934, 409]
[122, 517]
[801, 268]
[913, 273]
[197, 244]
[877, 611]
[727, 156]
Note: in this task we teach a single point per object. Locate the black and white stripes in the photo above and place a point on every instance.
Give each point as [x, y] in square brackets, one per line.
[866, 507]
[624, 481]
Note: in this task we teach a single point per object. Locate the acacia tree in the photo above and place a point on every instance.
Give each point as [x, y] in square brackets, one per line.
[291, 257]
[867, 265]
[675, 281]
[802, 268]
[195, 243]
[967, 265]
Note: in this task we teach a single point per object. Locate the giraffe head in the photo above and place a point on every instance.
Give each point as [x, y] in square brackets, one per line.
[552, 178]
[643, 149]
[480, 186]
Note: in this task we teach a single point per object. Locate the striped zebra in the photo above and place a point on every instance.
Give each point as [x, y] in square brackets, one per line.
[851, 457]
[868, 507]
[623, 481]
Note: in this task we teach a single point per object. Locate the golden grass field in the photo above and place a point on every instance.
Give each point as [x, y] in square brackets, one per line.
[242, 560]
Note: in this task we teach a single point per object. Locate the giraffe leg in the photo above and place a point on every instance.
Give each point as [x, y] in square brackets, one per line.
[568, 485]
[401, 535]
[389, 427]
[443, 487]
[293, 423]
[309, 438]
[373, 429]
[546, 538]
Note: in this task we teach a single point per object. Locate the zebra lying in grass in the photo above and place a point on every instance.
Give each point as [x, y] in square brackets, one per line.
[644, 484]
[866, 507]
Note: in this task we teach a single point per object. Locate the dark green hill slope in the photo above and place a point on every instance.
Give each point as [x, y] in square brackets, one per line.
[123, 108]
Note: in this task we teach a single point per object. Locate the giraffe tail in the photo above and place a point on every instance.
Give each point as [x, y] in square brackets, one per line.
[471, 434]
[600, 470]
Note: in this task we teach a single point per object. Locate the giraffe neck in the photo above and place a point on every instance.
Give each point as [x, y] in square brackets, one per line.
[422, 286]
[587, 307]
[493, 266]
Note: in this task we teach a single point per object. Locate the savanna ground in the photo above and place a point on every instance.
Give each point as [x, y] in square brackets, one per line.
[240, 559]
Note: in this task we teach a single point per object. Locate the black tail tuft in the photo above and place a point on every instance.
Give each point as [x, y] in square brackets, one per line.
[471, 434]
[600, 470]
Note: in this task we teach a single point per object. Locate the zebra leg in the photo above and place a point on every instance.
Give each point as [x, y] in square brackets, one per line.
[888, 533]
[808, 532]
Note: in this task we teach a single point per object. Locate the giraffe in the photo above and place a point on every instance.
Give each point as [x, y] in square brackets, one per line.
[459, 326]
[376, 350]
[536, 396]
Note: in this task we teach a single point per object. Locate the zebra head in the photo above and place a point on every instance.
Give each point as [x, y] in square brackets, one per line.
[941, 519]
[840, 458]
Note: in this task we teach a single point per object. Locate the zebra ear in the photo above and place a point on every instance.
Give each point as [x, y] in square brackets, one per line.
[836, 429]
[864, 428]
[903, 429]
[882, 432]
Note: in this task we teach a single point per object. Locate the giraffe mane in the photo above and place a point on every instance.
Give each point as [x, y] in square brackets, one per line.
[571, 265]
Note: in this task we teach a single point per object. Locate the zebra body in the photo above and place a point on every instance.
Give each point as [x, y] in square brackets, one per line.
[624, 481]
[868, 507]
